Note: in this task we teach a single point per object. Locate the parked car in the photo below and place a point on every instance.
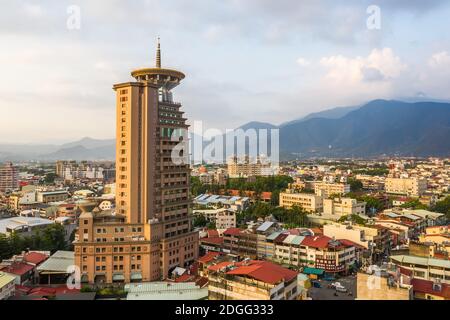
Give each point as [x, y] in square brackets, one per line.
[316, 284]
[334, 284]
[341, 288]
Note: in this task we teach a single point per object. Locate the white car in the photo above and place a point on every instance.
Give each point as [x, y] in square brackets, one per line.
[335, 284]
[341, 288]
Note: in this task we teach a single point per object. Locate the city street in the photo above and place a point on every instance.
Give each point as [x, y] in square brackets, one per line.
[325, 293]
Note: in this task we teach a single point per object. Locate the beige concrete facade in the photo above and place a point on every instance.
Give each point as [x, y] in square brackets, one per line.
[152, 189]
[326, 189]
[343, 207]
[413, 187]
[375, 287]
[309, 202]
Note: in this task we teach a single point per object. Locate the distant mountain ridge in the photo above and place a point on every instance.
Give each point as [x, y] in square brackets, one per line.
[84, 149]
[380, 127]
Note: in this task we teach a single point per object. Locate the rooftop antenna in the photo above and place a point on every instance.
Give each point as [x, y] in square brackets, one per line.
[158, 55]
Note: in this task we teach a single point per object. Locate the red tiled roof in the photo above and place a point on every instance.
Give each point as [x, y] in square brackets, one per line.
[213, 233]
[22, 288]
[349, 243]
[35, 257]
[426, 286]
[281, 237]
[201, 282]
[232, 231]
[220, 265]
[264, 271]
[266, 195]
[46, 291]
[184, 278]
[18, 268]
[317, 231]
[213, 240]
[295, 232]
[208, 257]
[316, 241]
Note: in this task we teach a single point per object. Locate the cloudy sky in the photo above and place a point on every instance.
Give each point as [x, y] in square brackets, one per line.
[245, 60]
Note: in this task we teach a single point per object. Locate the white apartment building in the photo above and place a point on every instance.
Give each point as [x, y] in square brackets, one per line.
[343, 207]
[364, 236]
[307, 201]
[325, 189]
[225, 219]
[413, 187]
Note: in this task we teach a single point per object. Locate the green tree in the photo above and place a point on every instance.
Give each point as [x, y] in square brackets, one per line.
[414, 204]
[355, 185]
[5, 248]
[443, 206]
[50, 178]
[200, 221]
[353, 218]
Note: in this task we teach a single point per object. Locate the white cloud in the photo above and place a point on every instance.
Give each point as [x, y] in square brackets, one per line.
[303, 62]
[440, 60]
[378, 65]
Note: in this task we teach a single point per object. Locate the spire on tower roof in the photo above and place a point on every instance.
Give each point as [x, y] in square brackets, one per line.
[158, 55]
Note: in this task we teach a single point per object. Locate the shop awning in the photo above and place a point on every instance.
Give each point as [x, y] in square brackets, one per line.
[118, 277]
[315, 271]
[136, 276]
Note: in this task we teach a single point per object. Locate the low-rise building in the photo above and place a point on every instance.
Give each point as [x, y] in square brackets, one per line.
[252, 280]
[411, 187]
[343, 207]
[382, 286]
[326, 189]
[307, 201]
[52, 196]
[7, 286]
[166, 291]
[23, 225]
[424, 268]
[225, 219]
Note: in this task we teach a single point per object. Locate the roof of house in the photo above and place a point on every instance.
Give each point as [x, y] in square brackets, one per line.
[5, 279]
[18, 268]
[266, 195]
[165, 291]
[210, 256]
[35, 257]
[18, 222]
[232, 231]
[422, 261]
[264, 271]
[349, 243]
[185, 278]
[212, 233]
[220, 265]
[213, 240]
[426, 286]
[316, 241]
[273, 236]
[265, 226]
[59, 262]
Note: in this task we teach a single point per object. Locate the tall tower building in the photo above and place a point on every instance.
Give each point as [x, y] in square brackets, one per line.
[152, 188]
[9, 177]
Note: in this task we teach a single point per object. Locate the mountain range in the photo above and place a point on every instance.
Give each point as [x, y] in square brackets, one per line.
[380, 127]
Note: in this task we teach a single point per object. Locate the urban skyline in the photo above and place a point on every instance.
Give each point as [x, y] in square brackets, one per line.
[301, 203]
